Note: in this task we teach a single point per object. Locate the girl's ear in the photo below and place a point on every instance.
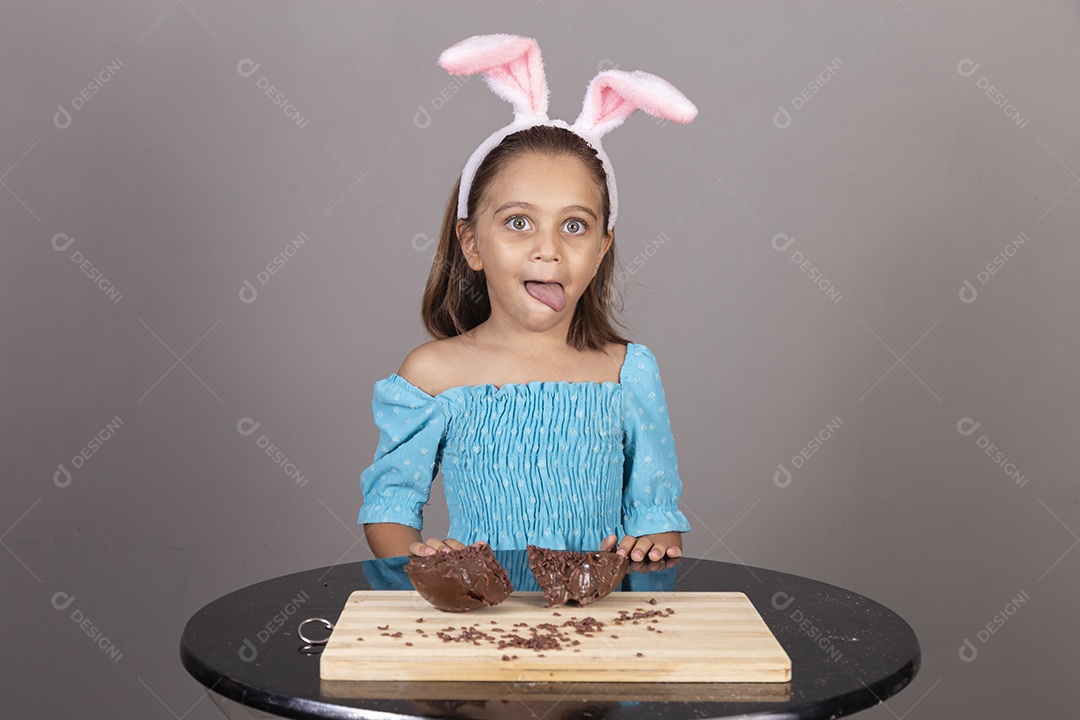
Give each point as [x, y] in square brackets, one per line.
[605, 246]
[467, 238]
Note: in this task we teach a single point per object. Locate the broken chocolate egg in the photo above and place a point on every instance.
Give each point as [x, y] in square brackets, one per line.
[575, 578]
[460, 580]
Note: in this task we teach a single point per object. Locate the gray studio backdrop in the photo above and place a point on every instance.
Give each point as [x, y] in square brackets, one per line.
[857, 269]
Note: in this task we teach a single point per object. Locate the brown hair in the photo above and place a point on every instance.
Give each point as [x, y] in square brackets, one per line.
[456, 298]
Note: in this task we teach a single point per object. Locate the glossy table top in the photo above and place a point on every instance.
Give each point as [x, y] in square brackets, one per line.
[847, 653]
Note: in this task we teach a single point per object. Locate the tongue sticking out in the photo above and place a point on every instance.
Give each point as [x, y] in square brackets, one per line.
[551, 294]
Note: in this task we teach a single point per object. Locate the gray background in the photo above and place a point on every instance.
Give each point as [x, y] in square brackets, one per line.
[898, 180]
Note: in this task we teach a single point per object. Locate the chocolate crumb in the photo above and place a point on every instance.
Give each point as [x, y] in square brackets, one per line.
[383, 627]
[419, 619]
[360, 639]
[652, 601]
[614, 636]
[557, 614]
[408, 644]
[641, 655]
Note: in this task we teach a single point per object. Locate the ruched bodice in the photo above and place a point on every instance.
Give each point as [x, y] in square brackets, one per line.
[552, 463]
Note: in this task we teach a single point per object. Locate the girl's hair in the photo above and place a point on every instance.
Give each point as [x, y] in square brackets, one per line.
[456, 297]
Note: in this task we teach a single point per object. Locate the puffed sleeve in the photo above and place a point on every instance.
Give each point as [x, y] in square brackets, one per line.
[397, 484]
[651, 484]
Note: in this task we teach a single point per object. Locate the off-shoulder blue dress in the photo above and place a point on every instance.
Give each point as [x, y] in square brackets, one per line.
[557, 464]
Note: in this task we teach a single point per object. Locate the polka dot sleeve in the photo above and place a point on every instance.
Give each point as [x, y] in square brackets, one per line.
[651, 484]
[397, 484]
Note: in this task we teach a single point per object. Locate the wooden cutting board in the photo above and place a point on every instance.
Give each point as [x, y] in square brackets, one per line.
[694, 637]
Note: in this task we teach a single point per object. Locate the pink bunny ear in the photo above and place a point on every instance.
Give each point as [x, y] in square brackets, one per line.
[614, 95]
[511, 67]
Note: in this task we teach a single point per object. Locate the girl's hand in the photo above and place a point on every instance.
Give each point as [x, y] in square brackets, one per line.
[656, 547]
[434, 545]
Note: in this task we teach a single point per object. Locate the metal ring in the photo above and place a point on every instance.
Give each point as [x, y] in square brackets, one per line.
[300, 630]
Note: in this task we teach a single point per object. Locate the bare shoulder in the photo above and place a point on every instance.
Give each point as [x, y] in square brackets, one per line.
[428, 365]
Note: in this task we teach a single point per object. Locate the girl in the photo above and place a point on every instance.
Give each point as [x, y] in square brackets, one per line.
[551, 428]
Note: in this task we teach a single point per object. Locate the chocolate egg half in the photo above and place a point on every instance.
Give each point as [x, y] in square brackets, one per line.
[575, 578]
[460, 580]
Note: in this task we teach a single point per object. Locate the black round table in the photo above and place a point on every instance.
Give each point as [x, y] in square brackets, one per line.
[847, 653]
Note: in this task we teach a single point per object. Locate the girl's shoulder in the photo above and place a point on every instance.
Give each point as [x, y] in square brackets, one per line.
[429, 366]
[439, 365]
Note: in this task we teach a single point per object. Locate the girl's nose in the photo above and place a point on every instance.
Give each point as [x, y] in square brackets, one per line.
[548, 246]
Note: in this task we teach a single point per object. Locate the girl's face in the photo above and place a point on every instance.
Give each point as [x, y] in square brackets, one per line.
[540, 220]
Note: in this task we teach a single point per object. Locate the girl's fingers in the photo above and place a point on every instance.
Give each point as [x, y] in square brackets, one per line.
[609, 542]
[642, 547]
[626, 545]
[419, 548]
[453, 544]
[674, 552]
[436, 545]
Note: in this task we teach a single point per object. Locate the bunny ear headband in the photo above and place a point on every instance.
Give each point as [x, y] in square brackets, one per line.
[512, 68]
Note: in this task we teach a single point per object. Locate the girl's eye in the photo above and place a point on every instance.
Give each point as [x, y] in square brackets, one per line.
[518, 222]
[575, 226]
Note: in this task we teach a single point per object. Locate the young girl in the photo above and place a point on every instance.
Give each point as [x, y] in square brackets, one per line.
[551, 429]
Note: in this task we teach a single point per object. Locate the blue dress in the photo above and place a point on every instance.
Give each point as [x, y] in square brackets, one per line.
[557, 464]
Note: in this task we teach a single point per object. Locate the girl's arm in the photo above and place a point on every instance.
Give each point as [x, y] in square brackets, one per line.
[390, 539]
[395, 539]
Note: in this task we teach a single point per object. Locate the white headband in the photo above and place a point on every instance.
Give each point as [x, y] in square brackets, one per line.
[512, 68]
